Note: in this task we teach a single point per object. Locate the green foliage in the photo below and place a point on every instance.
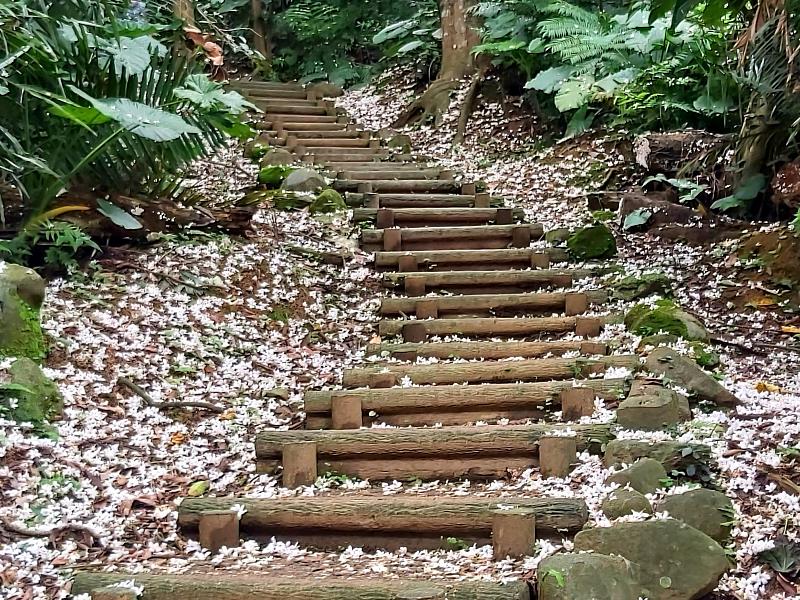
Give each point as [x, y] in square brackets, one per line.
[273, 176]
[784, 558]
[417, 39]
[58, 241]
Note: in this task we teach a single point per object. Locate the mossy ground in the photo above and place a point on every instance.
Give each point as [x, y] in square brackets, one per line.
[644, 320]
[22, 338]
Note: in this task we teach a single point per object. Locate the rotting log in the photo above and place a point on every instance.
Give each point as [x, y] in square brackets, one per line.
[495, 259]
[396, 186]
[485, 350]
[243, 586]
[443, 238]
[432, 515]
[410, 217]
[530, 302]
[482, 279]
[484, 326]
[492, 371]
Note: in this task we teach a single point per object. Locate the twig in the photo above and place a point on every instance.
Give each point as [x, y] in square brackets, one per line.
[747, 348]
[52, 532]
[124, 381]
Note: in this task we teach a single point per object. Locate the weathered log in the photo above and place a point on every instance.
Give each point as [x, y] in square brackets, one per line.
[484, 303]
[497, 259]
[441, 238]
[488, 372]
[670, 152]
[422, 200]
[440, 515]
[383, 174]
[240, 586]
[486, 350]
[477, 280]
[484, 326]
[396, 186]
[421, 217]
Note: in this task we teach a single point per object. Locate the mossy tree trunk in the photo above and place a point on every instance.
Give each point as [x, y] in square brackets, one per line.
[184, 10]
[261, 38]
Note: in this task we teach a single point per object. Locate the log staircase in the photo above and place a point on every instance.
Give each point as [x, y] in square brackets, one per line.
[465, 273]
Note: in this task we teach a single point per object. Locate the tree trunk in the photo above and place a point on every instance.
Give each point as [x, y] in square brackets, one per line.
[184, 10]
[260, 34]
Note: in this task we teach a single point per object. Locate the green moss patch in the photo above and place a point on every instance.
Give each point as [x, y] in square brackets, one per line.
[592, 242]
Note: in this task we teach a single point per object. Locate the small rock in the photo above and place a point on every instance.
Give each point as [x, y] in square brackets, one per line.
[654, 341]
[592, 242]
[665, 317]
[705, 356]
[326, 90]
[400, 142]
[21, 297]
[554, 236]
[646, 475]
[706, 510]
[328, 201]
[677, 561]
[256, 149]
[624, 502]
[304, 180]
[651, 406]
[277, 156]
[684, 372]
[634, 288]
[36, 399]
[587, 576]
[672, 455]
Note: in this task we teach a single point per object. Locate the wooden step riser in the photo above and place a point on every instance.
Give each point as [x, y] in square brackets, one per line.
[453, 405]
[486, 350]
[306, 128]
[387, 174]
[485, 372]
[237, 586]
[276, 119]
[272, 111]
[266, 85]
[485, 282]
[450, 238]
[256, 96]
[278, 104]
[339, 151]
[434, 186]
[313, 144]
[542, 327]
[377, 166]
[395, 516]
[323, 135]
[436, 217]
[505, 259]
[520, 304]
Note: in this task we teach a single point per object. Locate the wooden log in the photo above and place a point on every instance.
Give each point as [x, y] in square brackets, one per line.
[441, 238]
[113, 593]
[577, 402]
[392, 239]
[426, 309]
[298, 119]
[346, 413]
[489, 372]
[495, 259]
[407, 264]
[387, 174]
[513, 533]
[469, 189]
[487, 350]
[414, 332]
[589, 326]
[482, 279]
[427, 201]
[218, 529]
[238, 586]
[484, 326]
[557, 454]
[335, 142]
[299, 459]
[445, 515]
[407, 442]
[414, 286]
[484, 303]
[422, 217]
[397, 186]
[576, 303]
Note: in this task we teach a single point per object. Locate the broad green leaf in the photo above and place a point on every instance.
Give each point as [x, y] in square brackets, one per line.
[550, 79]
[393, 31]
[134, 55]
[207, 94]
[409, 47]
[712, 106]
[536, 46]
[751, 187]
[580, 122]
[15, 387]
[118, 216]
[574, 93]
[727, 203]
[82, 115]
[143, 120]
[784, 558]
[610, 83]
[198, 488]
[637, 218]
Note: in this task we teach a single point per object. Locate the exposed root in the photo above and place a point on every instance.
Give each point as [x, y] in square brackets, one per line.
[52, 533]
[166, 405]
[432, 105]
[468, 105]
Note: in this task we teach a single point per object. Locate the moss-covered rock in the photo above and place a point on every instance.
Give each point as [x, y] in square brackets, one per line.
[277, 156]
[255, 149]
[29, 395]
[21, 297]
[556, 236]
[634, 288]
[273, 176]
[592, 242]
[624, 502]
[303, 180]
[705, 356]
[665, 317]
[587, 576]
[708, 511]
[645, 476]
[328, 201]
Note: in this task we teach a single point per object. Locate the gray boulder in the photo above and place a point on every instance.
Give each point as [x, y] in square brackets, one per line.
[634, 288]
[646, 475]
[706, 510]
[21, 297]
[684, 372]
[277, 157]
[623, 502]
[651, 406]
[672, 455]
[587, 576]
[304, 180]
[677, 561]
[29, 395]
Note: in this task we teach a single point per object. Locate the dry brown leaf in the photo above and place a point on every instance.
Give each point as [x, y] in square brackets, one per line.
[763, 386]
[790, 329]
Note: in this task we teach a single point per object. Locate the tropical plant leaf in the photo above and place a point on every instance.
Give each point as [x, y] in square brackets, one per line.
[118, 216]
[550, 80]
[210, 95]
[574, 93]
[143, 120]
[132, 55]
[637, 218]
[409, 47]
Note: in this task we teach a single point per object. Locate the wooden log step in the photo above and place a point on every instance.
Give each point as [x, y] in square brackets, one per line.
[312, 127]
[422, 453]
[338, 151]
[344, 156]
[535, 369]
[479, 282]
[272, 110]
[240, 84]
[423, 200]
[484, 327]
[267, 586]
[321, 134]
[452, 260]
[386, 174]
[421, 522]
[281, 117]
[313, 143]
[440, 238]
[451, 404]
[277, 94]
[486, 350]
[280, 103]
[426, 217]
[477, 304]
[444, 186]
[378, 166]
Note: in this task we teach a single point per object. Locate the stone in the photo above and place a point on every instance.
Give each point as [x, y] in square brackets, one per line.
[587, 576]
[29, 394]
[634, 288]
[328, 201]
[326, 90]
[554, 236]
[665, 317]
[654, 341]
[707, 510]
[256, 149]
[624, 502]
[592, 242]
[672, 455]
[651, 406]
[683, 371]
[676, 561]
[21, 297]
[277, 156]
[273, 176]
[400, 142]
[303, 180]
[645, 476]
[705, 356]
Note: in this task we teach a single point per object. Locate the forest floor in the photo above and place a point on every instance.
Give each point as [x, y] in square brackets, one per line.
[250, 324]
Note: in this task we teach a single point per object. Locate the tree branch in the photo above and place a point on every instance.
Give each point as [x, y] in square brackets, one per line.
[124, 381]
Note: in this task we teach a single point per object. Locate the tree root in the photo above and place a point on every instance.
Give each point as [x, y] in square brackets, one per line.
[53, 532]
[468, 105]
[432, 105]
[123, 381]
